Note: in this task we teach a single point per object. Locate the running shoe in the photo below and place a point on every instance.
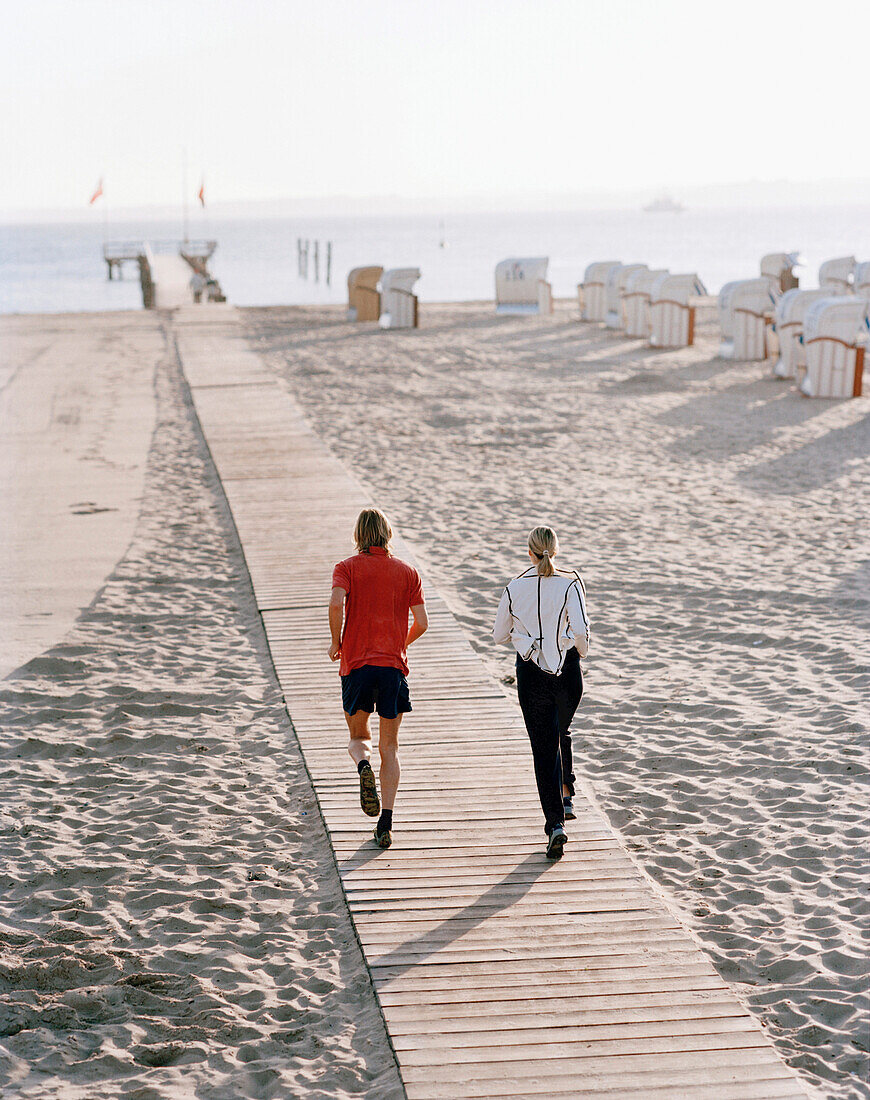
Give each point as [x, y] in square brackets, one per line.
[368, 792]
[384, 839]
[568, 803]
[556, 843]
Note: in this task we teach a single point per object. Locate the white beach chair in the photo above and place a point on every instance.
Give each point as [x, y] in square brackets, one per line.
[363, 299]
[726, 319]
[635, 300]
[789, 316]
[836, 332]
[398, 301]
[861, 285]
[778, 268]
[672, 319]
[745, 310]
[521, 286]
[617, 279]
[592, 292]
[836, 275]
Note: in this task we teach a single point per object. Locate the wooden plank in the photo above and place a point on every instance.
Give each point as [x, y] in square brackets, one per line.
[499, 972]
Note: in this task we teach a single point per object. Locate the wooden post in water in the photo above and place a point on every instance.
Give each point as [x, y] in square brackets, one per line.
[329, 263]
[317, 261]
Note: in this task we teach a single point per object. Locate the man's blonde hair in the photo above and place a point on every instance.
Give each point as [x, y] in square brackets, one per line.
[372, 528]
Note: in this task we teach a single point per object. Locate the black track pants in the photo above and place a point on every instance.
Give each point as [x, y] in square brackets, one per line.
[548, 704]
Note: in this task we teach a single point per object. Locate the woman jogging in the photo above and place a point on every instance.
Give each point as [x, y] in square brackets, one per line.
[542, 613]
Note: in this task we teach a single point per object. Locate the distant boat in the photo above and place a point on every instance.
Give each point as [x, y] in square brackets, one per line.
[664, 205]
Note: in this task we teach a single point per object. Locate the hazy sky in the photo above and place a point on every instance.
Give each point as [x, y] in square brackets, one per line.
[276, 98]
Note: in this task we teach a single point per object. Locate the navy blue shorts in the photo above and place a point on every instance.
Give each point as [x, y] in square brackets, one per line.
[375, 688]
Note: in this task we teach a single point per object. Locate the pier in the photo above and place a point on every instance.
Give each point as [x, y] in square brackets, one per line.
[165, 269]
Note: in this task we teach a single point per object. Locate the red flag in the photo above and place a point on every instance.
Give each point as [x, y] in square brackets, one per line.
[201, 194]
[96, 193]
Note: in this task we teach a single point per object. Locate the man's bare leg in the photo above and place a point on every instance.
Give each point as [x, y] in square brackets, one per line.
[390, 771]
[360, 747]
[360, 751]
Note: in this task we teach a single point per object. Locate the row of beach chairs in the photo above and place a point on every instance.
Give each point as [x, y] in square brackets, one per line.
[820, 334]
[652, 304]
[384, 296]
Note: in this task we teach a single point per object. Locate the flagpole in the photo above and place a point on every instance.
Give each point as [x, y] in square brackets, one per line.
[184, 198]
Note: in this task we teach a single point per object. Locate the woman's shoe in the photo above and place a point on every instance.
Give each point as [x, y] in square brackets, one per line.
[556, 843]
[568, 803]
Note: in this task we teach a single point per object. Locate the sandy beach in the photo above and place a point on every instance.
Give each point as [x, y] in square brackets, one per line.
[720, 523]
[171, 919]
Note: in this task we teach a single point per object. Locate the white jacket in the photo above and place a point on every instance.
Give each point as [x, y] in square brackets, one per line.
[542, 617]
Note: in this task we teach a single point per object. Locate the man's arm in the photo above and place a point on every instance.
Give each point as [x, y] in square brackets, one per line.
[336, 618]
[420, 624]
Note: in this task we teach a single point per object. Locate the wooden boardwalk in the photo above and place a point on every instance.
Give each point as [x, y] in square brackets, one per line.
[500, 974]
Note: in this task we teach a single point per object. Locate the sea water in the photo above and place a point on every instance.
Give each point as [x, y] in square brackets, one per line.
[59, 267]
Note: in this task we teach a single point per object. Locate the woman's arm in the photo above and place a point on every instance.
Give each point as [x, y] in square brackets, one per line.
[578, 620]
[501, 630]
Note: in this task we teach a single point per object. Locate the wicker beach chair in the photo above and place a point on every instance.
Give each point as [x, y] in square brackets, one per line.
[778, 269]
[363, 299]
[861, 277]
[672, 318]
[836, 274]
[521, 286]
[836, 333]
[398, 301]
[789, 317]
[616, 282]
[745, 311]
[635, 300]
[592, 292]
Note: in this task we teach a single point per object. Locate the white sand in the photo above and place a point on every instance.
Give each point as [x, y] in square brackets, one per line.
[77, 411]
[720, 522]
[171, 920]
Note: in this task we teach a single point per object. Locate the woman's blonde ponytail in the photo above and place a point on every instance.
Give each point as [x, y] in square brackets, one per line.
[544, 545]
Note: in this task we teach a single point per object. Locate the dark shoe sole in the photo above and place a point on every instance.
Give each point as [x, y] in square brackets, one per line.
[383, 840]
[368, 793]
[556, 847]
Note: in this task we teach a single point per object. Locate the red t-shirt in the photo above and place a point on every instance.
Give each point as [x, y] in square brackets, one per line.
[380, 591]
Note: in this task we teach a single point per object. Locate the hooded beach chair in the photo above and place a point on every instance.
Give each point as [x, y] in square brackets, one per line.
[778, 268]
[363, 299]
[635, 300]
[672, 319]
[836, 332]
[521, 286]
[398, 301]
[592, 292]
[861, 285]
[745, 310]
[617, 279]
[836, 275]
[789, 317]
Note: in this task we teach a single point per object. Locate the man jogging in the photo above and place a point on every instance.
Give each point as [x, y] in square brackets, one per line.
[372, 593]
